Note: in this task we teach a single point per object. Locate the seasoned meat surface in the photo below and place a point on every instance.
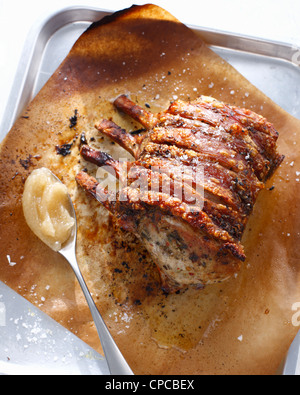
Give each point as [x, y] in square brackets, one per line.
[198, 168]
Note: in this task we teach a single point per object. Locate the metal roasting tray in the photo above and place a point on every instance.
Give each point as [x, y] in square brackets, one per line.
[32, 342]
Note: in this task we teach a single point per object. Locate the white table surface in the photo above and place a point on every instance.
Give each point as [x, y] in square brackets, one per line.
[272, 19]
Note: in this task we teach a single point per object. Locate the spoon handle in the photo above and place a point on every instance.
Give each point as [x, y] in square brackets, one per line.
[115, 360]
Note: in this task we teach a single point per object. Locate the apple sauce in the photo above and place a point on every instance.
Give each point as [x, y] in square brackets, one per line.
[46, 208]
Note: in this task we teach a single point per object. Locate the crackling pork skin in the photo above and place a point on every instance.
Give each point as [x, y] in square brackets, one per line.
[198, 168]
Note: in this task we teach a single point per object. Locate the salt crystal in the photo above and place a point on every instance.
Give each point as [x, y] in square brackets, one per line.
[9, 261]
[240, 338]
[36, 330]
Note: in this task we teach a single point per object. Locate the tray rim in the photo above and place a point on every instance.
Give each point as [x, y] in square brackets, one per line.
[27, 69]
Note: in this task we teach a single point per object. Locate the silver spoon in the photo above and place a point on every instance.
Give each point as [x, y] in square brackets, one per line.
[115, 360]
